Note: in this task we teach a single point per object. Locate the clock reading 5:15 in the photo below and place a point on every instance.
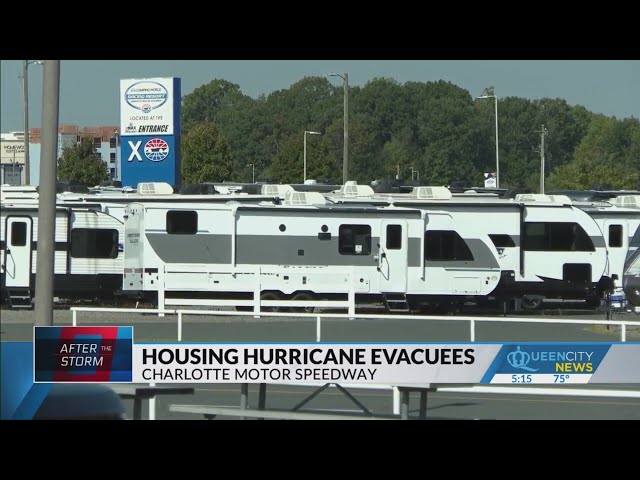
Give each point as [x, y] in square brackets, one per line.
[521, 378]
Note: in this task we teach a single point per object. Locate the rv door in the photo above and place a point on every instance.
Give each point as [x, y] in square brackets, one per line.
[392, 256]
[133, 247]
[17, 254]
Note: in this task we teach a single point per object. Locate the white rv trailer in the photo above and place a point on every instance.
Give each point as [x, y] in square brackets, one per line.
[77, 277]
[87, 253]
[619, 221]
[547, 247]
[304, 250]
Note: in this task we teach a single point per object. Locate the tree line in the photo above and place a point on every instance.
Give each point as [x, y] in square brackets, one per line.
[430, 132]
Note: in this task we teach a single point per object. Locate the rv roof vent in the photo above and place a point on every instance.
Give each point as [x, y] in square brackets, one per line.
[67, 196]
[541, 198]
[352, 189]
[432, 193]
[18, 188]
[304, 198]
[276, 190]
[560, 199]
[155, 188]
[628, 201]
[10, 192]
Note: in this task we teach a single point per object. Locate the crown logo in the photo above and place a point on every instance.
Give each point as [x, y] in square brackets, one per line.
[520, 359]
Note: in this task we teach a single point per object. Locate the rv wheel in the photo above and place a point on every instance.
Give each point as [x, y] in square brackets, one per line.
[306, 297]
[271, 296]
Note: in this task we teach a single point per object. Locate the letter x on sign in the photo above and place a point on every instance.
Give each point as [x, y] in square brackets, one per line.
[134, 151]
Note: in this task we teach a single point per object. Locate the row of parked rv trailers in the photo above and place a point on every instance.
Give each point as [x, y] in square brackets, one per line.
[421, 251]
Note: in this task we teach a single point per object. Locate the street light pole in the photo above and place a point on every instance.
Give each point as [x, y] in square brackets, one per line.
[253, 172]
[495, 97]
[25, 92]
[304, 176]
[47, 200]
[543, 133]
[345, 157]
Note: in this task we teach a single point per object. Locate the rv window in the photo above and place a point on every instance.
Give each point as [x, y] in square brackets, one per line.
[394, 237]
[94, 243]
[615, 235]
[556, 237]
[19, 234]
[502, 240]
[446, 245]
[182, 222]
[354, 240]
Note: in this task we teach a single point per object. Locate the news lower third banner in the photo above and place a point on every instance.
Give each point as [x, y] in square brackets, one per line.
[109, 354]
[388, 363]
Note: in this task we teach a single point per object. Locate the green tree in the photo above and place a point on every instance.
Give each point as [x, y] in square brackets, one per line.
[288, 164]
[205, 155]
[215, 102]
[397, 159]
[607, 155]
[82, 164]
[437, 128]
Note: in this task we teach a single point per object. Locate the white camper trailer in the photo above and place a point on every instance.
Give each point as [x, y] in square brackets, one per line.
[195, 254]
[87, 258]
[619, 221]
[546, 247]
[80, 274]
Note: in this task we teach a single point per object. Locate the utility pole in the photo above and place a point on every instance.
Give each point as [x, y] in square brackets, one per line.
[25, 88]
[345, 155]
[47, 200]
[345, 162]
[543, 133]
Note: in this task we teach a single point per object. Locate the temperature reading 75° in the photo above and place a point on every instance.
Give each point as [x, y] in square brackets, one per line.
[560, 378]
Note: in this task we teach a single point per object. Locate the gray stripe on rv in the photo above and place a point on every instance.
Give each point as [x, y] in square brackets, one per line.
[291, 250]
[193, 248]
[598, 241]
[256, 250]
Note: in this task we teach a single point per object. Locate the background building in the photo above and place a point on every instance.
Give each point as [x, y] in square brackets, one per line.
[12, 158]
[106, 142]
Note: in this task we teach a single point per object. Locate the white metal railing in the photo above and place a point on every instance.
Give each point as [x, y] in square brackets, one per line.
[347, 316]
[256, 302]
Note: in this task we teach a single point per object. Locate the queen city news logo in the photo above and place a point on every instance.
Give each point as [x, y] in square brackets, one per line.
[554, 358]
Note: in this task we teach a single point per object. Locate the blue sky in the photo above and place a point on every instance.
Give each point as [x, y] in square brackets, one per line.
[89, 88]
